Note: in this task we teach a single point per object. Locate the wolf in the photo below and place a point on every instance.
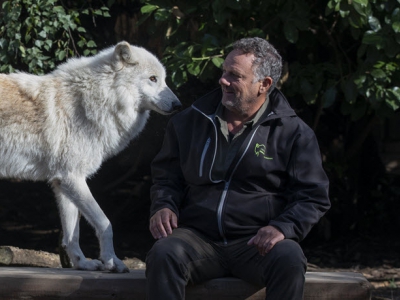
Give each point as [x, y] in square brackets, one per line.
[60, 127]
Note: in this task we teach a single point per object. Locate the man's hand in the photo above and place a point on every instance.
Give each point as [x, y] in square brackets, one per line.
[265, 239]
[162, 223]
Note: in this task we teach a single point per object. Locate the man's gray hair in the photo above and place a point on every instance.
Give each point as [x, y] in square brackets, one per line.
[267, 60]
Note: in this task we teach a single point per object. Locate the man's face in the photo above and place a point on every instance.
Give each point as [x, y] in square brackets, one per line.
[239, 87]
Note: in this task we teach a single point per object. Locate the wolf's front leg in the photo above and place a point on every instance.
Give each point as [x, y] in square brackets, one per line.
[77, 192]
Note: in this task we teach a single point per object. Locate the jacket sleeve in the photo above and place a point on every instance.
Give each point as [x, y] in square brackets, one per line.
[307, 193]
[168, 188]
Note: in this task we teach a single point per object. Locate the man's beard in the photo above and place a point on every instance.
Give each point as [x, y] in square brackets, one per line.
[238, 104]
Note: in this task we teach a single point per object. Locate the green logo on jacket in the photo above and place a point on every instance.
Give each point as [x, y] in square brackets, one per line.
[259, 150]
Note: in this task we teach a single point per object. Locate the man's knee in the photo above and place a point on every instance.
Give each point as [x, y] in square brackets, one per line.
[288, 254]
[164, 271]
[284, 277]
[164, 250]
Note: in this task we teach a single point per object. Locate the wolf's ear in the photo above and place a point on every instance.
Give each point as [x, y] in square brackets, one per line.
[123, 54]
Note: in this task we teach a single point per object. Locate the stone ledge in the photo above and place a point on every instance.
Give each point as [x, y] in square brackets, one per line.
[54, 283]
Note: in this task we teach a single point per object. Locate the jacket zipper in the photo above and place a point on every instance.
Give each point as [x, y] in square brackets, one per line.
[203, 155]
[226, 188]
[206, 146]
[227, 183]
[219, 211]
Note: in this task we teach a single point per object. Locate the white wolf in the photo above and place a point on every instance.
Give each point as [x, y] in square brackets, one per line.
[61, 126]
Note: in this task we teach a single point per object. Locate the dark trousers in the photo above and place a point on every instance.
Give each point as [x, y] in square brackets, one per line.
[185, 257]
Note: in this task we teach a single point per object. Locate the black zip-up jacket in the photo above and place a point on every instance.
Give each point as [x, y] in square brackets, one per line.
[275, 179]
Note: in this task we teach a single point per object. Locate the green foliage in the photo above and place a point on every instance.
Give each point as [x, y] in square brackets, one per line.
[375, 78]
[345, 51]
[38, 34]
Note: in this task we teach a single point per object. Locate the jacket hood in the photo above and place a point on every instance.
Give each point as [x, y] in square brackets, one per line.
[279, 105]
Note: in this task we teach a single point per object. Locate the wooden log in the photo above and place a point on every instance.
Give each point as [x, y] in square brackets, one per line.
[350, 285]
[319, 286]
[46, 283]
[13, 256]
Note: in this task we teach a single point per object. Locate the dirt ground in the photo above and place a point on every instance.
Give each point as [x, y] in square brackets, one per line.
[29, 220]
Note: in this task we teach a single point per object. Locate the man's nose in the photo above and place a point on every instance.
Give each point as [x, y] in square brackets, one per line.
[223, 81]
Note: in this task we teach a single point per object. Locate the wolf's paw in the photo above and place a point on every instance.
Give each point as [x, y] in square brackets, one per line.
[90, 265]
[115, 265]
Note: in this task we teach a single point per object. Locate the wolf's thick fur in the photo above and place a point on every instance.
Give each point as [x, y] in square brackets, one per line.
[61, 126]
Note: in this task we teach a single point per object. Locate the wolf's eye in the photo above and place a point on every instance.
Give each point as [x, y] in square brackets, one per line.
[153, 78]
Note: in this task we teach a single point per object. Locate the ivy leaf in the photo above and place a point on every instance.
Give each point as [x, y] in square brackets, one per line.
[396, 15]
[378, 74]
[330, 8]
[372, 38]
[91, 44]
[362, 2]
[396, 27]
[194, 68]
[177, 77]
[356, 20]
[350, 91]
[379, 64]
[217, 61]
[43, 34]
[161, 14]
[360, 80]
[61, 55]
[148, 8]
[344, 13]
[360, 9]
[256, 32]
[39, 43]
[394, 98]
[392, 104]
[22, 49]
[291, 32]
[374, 23]
[329, 97]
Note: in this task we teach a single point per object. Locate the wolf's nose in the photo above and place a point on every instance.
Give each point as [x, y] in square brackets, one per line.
[176, 105]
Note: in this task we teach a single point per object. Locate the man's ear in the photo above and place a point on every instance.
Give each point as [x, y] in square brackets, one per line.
[265, 85]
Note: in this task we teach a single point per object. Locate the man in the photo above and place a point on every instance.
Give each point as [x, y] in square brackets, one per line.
[237, 184]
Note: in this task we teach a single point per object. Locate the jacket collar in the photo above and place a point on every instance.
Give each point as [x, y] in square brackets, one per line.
[280, 107]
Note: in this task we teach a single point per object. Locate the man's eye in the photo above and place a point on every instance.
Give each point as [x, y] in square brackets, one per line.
[153, 78]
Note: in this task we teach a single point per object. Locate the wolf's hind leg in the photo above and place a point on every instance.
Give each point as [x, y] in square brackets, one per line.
[70, 216]
[76, 190]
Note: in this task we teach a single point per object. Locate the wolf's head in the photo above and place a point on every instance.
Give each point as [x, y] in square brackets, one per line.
[145, 77]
